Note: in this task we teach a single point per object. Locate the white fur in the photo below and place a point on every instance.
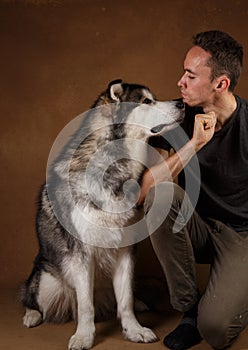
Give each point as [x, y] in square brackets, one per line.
[55, 298]
[81, 278]
[148, 116]
[32, 318]
[122, 280]
[115, 90]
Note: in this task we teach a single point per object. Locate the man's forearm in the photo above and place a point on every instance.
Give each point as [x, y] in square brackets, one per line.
[167, 170]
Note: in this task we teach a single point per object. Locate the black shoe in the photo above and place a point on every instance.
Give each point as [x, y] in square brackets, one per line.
[184, 336]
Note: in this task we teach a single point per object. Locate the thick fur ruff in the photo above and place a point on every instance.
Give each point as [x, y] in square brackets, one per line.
[84, 267]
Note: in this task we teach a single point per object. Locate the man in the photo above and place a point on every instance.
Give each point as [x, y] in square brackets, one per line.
[216, 232]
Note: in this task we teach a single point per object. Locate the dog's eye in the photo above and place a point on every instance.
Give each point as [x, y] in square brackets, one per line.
[147, 101]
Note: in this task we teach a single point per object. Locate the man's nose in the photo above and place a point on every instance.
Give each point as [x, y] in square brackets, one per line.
[180, 82]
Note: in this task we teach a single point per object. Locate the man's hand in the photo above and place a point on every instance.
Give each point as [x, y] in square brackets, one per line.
[204, 128]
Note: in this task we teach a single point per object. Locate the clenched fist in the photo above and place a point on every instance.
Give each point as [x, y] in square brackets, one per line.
[204, 128]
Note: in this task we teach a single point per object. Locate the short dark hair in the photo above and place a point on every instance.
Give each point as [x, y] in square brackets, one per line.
[226, 54]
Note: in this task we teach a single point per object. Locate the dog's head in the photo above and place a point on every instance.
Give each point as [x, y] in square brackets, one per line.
[139, 107]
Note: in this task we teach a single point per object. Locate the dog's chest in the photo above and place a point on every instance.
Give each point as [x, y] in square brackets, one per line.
[105, 260]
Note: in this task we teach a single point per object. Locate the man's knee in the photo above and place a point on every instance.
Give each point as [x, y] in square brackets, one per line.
[215, 328]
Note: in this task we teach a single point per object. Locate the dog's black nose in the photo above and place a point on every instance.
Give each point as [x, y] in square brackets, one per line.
[180, 104]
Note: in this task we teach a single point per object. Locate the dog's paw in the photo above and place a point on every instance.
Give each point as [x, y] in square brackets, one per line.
[140, 335]
[32, 318]
[81, 342]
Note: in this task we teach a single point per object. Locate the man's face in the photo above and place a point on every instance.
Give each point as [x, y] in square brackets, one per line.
[196, 86]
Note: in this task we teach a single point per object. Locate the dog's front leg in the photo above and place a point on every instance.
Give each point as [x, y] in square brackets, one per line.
[122, 280]
[81, 276]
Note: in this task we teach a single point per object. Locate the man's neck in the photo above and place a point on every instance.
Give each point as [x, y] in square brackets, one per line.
[224, 109]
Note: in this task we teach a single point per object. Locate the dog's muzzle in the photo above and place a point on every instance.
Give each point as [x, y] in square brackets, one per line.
[179, 103]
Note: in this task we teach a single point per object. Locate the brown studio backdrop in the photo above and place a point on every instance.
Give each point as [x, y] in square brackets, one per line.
[56, 57]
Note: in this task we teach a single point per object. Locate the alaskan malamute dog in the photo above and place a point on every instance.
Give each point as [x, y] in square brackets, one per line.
[85, 208]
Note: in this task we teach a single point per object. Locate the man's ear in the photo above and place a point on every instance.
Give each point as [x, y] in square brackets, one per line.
[222, 83]
[115, 89]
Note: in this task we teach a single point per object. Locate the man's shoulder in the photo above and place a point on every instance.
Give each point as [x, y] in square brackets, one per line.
[242, 103]
[241, 99]
[242, 110]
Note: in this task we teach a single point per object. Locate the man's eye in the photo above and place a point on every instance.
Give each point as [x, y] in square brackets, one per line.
[147, 101]
[191, 77]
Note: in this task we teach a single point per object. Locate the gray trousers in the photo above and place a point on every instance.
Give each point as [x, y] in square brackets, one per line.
[223, 308]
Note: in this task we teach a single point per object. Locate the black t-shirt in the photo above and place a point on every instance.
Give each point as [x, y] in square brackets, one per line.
[222, 166]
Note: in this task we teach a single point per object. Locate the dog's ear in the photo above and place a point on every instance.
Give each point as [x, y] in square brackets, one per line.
[115, 89]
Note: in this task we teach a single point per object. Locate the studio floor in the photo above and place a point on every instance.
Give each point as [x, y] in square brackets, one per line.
[13, 335]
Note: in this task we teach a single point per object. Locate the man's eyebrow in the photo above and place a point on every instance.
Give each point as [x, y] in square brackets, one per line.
[189, 71]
